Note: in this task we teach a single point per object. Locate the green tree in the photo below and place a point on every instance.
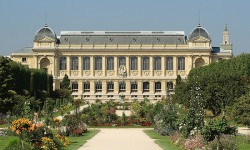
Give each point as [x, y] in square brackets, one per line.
[241, 110]
[65, 82]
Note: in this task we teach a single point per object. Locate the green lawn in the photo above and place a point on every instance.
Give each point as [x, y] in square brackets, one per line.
[163, 141]
[242, 142]
[4, 141]
[77, 142]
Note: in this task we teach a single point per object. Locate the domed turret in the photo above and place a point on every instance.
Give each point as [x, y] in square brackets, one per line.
[199, 32]
[45, 33]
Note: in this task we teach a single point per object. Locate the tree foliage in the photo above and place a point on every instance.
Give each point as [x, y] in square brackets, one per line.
[241, 110]
[223, 82]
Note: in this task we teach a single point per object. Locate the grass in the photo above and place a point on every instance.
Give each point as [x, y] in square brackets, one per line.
[5, 140]
[242, 142]
[163, 141]
[77, 142]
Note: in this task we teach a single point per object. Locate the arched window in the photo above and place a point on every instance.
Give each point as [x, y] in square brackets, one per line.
[133, 63]
[134, 87]
[74, 63]
[157, 87]
[110, 86]
[122, 86]
[98, 63]
[86, 87]
[145, 87]
[122, 61]
[157, 63]
[74, 87]
[86, 63]
[98, 86]
[110, 63]
[199, 62]
[170, 85]
[169, 63]
[181, 63]
[63, 63]
[145, 63]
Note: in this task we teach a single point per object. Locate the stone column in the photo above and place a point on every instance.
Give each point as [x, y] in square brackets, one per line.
[115, 66]
[55, 64]
[116, 87]
[104, 87]
[151, 64]
[163, 87]
[175, 66]
[151, 87]
[128, 65]
[163, 65]
[104, 65]
[80, 88]
[80, 65]
[92, 65]
[140, 87]
[128, 88]
[92, 86]
[68, 66]
[139, 66]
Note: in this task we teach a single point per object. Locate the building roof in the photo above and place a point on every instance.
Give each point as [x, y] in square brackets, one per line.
[199, 31]
[123, 37]
[45, 31]
[24, 50]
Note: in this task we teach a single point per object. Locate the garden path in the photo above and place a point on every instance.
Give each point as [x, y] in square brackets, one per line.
[120, 139]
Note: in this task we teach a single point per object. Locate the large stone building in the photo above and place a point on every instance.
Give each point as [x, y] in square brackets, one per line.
[110, 64]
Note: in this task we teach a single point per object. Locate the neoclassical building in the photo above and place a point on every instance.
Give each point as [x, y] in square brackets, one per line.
[133, 64]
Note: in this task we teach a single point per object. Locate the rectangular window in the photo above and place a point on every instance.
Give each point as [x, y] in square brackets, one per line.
[170, 85]
[122, 87]
[110, 63]
[157, 63]
[181, 63]
[110, 86]
[63, 63]
[74, 87]
[86, 63]
[122, 61]
[74, 63]
[98, 86]
[133, 63]
[145, 63]
[169, 63]
[157, 87]
[24, 59]
[145, 87]
[98, 63]
[86, 87]
[134, 87]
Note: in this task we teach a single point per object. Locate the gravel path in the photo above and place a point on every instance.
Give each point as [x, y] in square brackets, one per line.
[121, 139]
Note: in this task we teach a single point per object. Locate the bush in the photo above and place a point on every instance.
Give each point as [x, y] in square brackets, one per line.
[227, 142]
[193, 143]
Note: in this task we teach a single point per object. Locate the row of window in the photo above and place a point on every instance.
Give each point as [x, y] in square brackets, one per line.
[121, 61]
[122, 86]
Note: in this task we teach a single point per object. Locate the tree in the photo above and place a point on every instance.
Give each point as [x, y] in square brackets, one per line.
[5, 84]
[65, 82]
[241, 110]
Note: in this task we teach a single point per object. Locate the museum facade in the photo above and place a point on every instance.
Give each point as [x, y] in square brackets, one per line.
[113, 64]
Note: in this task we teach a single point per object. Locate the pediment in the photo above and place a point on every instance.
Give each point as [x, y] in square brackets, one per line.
[45, 39]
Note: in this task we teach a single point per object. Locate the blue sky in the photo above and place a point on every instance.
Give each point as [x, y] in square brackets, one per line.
[20, 19]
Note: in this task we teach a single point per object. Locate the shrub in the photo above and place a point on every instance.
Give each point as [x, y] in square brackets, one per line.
[227, 142]
[193, 143]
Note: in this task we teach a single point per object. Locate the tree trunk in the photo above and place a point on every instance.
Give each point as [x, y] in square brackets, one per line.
[218, 142]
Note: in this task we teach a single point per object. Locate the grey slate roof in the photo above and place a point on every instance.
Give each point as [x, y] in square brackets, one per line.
[43, 32]
[199, 31]
[123, 37]
[24, 50]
